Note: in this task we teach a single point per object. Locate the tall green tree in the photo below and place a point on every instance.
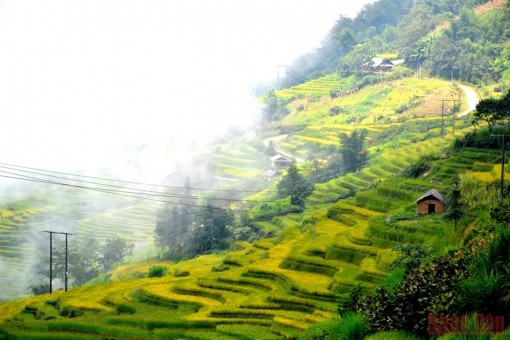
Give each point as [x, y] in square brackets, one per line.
[494, 111]
[296, 186]
[353, 151]
[275, 107]
[113, 251]
[422, 49]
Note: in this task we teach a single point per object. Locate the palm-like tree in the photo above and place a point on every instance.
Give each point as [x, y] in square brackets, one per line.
[422, 50]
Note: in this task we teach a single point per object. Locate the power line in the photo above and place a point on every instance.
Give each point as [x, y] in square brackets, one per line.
[127, 191]
[27, 178]
[145, 191]
[121, 181]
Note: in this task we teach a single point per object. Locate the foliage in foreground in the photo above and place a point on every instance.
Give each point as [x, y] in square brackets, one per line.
[350, 326]
[472, 279]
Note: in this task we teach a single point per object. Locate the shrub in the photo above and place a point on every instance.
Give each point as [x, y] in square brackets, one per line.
[38, 289]
[180, 273]
[123, 308]
[70, 312]
[220, 268]
[412, 256]
[334, 111]
[415, 170]
[352, 326]
[393, 335]
[486, 289]
[157, 271]
[430, 288]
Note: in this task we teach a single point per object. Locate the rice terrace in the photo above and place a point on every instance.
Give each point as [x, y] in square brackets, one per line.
[369, 201]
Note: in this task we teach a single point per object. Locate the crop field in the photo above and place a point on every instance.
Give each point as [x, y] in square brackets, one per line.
[317, 87]
[274, 288]
[277, 287]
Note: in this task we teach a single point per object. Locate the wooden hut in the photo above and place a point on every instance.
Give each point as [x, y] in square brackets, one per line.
[430, 203]
[280, 162]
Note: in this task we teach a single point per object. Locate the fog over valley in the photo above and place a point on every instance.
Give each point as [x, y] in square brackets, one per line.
[128, 90]
[80, 79]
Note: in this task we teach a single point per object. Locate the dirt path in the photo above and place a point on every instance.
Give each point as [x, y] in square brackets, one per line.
[472, 99]
[276, 141]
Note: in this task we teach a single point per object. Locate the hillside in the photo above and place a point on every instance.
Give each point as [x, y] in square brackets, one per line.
[295, 265]
[279, 286]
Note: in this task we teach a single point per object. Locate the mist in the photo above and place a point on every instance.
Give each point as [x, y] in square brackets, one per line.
[128, 88]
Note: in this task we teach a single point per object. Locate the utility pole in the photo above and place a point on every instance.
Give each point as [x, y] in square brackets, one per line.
[503, 169]
[51, 257]
[453, 114]
[503, 150]
[278, 76]
[442, 117]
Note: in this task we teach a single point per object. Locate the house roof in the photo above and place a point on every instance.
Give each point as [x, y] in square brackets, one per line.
[269, 173]
[432, 192]
[279, 158]
[383, 62]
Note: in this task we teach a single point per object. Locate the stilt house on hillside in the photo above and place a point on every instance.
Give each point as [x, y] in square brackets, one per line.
[280, 162]
[380, 65]
[429, 203]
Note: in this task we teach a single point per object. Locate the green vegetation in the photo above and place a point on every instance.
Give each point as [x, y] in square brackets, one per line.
[346, 256]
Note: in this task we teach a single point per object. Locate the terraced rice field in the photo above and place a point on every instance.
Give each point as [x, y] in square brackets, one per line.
[239, 161]
[317, 87]
[272, 288]
[276, 287]
[21, 240]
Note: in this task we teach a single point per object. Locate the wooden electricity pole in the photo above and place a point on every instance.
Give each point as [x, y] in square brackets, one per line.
[453, 114]
[503, 150]
[51, 257]
[278, 76]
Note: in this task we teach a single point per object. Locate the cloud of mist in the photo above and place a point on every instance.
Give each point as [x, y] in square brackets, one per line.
[127, 86]
[80, 78]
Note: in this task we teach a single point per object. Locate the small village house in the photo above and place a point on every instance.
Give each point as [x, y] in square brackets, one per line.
[270, 174]
[380, 65]
[280, 162]
[429, 203]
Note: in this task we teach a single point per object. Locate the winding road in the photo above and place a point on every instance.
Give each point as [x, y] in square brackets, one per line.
[469, 92]
[276, 142]
[472, 99]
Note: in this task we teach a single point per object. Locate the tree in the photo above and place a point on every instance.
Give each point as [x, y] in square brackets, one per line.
[493, 111]
[86, 260]
[293, 184]
[352, 150]
[497, 66]
[215, 220]
[422, 49]
[454, 206]
[275, 108]
[113, 251]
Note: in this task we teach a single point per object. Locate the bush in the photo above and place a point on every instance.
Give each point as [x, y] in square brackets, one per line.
[180, 273]
[352, 326]
[123, 308]
[412, 256]
[417, 169]
[157, 271]
[487, 290]
[483, 138]
[334, 111]
[220, 268]
[70, 312]
[430, 288]
[38, 289]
